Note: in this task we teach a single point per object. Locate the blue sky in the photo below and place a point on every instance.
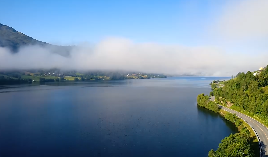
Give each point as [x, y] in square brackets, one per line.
[200, 37]
[73, 21]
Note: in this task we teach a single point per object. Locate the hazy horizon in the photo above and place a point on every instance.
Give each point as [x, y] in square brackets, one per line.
[196, 38]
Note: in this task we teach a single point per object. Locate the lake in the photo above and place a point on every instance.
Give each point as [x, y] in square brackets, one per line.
[126, 118]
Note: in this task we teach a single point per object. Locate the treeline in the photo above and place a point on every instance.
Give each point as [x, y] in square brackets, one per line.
[247, 92]
[235, 145]
[6, 81]
[203, 101]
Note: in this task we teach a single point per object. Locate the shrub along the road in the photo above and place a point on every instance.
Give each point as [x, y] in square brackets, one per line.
[235, 145]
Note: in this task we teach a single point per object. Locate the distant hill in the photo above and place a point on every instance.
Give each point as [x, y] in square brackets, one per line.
[13, 40]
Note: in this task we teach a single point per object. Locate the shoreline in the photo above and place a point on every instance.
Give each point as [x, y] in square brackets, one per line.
[243, 127]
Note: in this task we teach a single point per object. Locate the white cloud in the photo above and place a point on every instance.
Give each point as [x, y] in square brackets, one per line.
[123, 54]
[244, 19]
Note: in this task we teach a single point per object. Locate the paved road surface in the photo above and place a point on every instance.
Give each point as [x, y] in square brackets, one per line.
[261, 130]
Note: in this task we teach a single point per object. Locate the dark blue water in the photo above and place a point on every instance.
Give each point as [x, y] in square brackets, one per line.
[133, 118]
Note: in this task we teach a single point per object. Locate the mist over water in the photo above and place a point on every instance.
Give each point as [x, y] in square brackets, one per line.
[125, 118]
[233, 41]
[123, 54]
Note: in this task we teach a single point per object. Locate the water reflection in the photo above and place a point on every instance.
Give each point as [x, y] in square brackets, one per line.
[131, 118]
[208, 114]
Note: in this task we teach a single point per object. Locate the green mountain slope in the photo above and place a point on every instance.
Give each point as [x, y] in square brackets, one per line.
[13, 40]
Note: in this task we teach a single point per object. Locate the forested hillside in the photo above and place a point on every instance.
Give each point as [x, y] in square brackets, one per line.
[12, 39]
[239, 144]
[247, 92]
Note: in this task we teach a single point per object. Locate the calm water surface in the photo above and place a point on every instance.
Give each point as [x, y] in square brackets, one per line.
[128, 118]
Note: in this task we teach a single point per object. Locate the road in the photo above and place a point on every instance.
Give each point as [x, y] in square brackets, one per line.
[260, 130]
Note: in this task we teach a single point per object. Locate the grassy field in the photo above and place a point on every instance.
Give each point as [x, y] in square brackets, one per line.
[71, 78]
[37, 78]
[79, 74]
